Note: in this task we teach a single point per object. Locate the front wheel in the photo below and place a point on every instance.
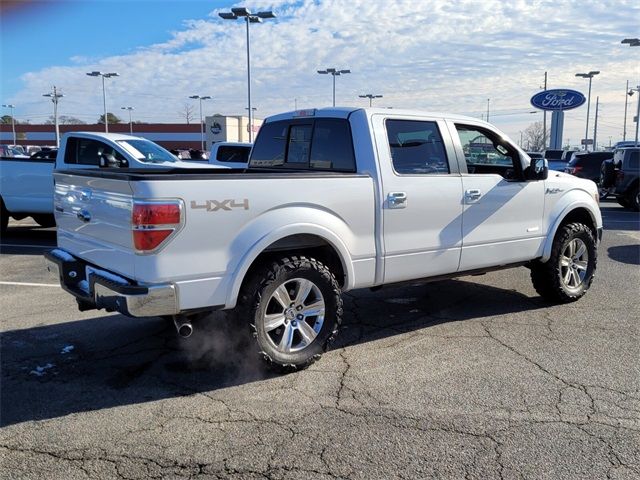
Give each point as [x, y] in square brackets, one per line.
[634, 199]
[568, 273]
[294, 309]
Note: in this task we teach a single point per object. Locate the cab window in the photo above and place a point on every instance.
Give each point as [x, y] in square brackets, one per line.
[416, 147]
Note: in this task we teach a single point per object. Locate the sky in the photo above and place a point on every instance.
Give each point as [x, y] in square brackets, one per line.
[433, 55]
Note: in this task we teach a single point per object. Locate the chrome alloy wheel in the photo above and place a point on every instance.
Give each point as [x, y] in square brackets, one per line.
[573, 263]
[294, 315]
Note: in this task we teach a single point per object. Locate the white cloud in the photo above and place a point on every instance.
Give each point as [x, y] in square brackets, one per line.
[433, 55]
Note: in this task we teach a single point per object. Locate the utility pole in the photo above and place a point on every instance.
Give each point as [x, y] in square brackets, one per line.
[595, 127]
[55, 96]
[488, 102]
[626, 101]
[544, 119]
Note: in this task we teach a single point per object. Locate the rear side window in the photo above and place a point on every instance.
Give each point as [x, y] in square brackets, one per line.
[416, 147]
[233, 153]
[315, 144]
[634, 160]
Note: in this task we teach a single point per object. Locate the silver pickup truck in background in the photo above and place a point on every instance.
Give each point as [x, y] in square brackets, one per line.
[26, 183]
[334, 199]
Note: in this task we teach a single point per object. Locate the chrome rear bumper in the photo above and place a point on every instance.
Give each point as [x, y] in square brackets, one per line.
[95, 288]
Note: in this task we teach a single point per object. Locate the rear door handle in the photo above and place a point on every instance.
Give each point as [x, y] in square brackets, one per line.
[473, 194]
[397, 200]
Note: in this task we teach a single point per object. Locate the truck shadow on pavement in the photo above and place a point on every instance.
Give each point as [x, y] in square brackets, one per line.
[85, 365]
[625, 254]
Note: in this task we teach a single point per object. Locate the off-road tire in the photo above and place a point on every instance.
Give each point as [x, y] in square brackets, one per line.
[547, 277]
[256, 293]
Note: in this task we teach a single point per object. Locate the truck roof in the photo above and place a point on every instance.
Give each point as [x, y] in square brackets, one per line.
[103, 135]
[344, 112]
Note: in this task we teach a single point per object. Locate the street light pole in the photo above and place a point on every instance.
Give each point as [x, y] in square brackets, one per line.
[334, 72]
[55, 96]
[595, 127]
[104, 93]
[242, 12]
[13, 122]
[201, 98]
[590, 76]
[130, 121]
[370, 96]
[488, 102]
[626, 101]
[544, 118]
[637, 89]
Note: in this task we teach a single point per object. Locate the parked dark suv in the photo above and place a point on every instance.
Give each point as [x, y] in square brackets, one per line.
[587, 165]
[622, 174]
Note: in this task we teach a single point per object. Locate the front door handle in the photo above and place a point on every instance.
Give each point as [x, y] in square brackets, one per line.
[473, 194]
[397, 200]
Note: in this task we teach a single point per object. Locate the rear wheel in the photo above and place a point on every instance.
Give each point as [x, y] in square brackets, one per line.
[294, 309]
[568, 273]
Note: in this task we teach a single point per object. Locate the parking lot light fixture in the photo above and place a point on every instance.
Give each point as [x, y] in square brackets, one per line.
[104, 93]
[13, 121]
[201, 98]
[334, 72]
[248, 17]
[130, 122]
[632, 42]
[590, 76]
[55, 96]
[370, 96]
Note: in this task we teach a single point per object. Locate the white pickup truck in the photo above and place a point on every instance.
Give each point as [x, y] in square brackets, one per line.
[26, 184]
[334, 199]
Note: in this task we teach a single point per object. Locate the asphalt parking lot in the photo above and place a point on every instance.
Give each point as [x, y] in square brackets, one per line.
[468, 378]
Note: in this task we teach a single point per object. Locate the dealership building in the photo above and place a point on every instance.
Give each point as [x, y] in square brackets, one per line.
[218, 128]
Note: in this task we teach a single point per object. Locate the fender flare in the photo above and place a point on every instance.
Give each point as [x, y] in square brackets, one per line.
[566, 210]
[278, 234]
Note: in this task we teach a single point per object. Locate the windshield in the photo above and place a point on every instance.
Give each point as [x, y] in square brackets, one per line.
[147, 151]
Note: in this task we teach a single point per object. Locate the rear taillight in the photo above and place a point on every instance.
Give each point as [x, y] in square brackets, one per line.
[153, 223]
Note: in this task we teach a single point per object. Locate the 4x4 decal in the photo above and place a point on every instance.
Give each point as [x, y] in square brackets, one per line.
[215, 205]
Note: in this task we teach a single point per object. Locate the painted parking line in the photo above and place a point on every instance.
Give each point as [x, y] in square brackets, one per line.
[25, 284]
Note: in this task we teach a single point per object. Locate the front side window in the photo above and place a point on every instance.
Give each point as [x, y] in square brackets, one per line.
[85, 151]
[485, 153]
[416, 147]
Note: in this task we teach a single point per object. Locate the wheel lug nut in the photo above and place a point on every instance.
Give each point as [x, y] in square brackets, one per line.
[294, 323]
[299, 317]
[299, 307]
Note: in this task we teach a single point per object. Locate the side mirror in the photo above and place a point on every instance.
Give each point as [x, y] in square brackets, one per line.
[537, 170]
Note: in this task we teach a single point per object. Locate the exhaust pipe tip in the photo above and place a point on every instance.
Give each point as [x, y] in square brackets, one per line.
[183, 327]
[185, 330]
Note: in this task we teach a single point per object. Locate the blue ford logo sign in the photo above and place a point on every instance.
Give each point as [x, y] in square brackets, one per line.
[557, 99]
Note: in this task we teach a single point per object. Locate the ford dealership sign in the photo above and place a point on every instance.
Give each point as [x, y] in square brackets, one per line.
[557, 99]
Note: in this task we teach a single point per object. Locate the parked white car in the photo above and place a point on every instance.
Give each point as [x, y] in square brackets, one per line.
[334, 199]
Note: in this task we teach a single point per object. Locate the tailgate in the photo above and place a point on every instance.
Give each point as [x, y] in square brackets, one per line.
[93, 216]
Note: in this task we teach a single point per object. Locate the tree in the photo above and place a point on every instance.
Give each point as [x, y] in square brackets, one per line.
[111, 117]
[6, 120]
[533, 138]
[67, 120]
[187, 113]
